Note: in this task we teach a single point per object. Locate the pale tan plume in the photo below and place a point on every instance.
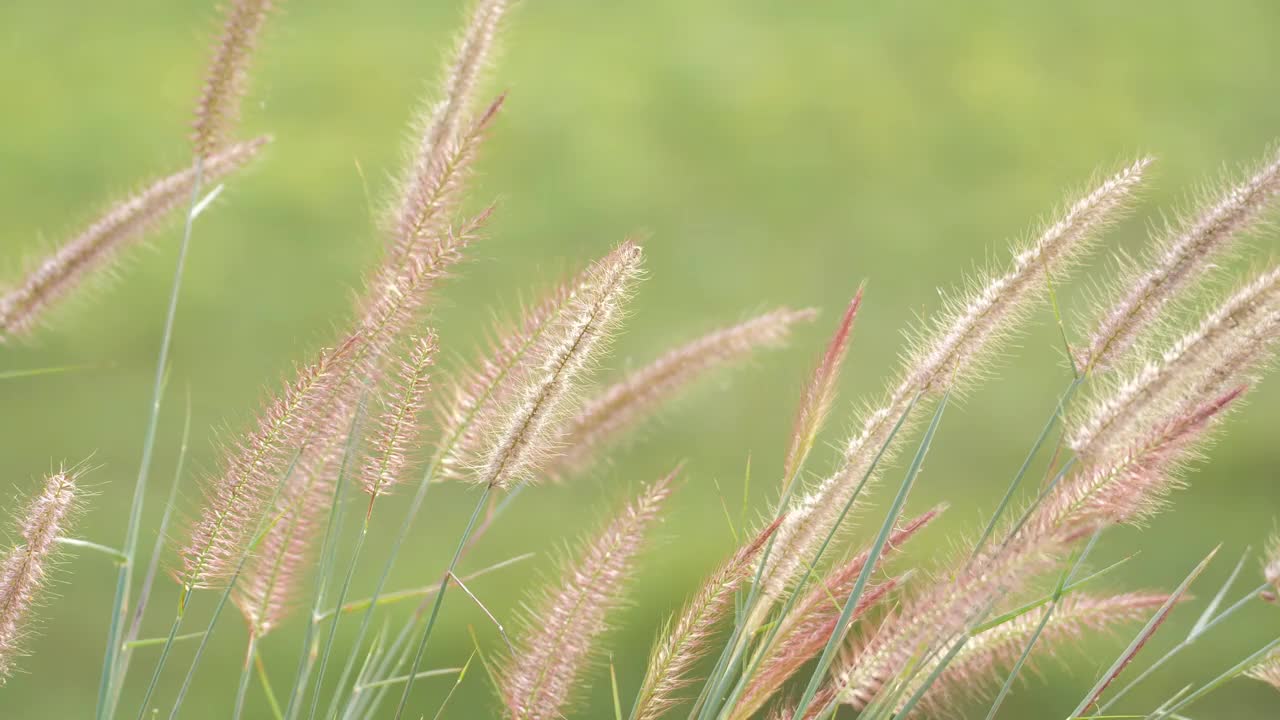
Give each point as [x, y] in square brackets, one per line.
[24, 570]
[624, 405]
[541, 676]
[95, 248]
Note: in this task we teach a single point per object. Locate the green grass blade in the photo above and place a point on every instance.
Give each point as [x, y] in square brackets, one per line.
[873, 557]
[105, 709]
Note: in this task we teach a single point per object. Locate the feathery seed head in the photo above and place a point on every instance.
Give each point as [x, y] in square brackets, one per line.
[521, 433]
[1179, 259]
[977, 664]
[399, 426]
[218, 108]
[686, 641]
[23, 570]
[969, 329]
[56, 275]
[543, 672]
[805, 630]
[270, 582]
[1267, 670]
[945, 358]
[1131, 487]
[1226, 348]
[443, 147]
[255, 465]
[819, 394]
[625, 404]
[1271, 569]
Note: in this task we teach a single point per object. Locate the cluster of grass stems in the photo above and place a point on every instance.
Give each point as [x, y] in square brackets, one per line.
[798, 622]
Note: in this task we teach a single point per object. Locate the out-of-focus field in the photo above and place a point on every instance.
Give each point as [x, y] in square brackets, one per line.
[771, 152]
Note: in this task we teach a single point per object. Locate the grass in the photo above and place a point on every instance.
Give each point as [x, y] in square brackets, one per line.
[721, 445]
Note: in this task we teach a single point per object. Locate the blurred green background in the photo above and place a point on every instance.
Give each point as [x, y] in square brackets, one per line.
[773, 152]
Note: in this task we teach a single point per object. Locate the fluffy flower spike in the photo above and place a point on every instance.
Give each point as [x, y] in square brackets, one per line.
[24, 568]
[627, 403]
[549, 657]
[1180, 257]
[219, 106]
[686, 640]
[522, 430]
[948, 354]
[398, 427]
[253, 469]
[95, 247]
[820, 393]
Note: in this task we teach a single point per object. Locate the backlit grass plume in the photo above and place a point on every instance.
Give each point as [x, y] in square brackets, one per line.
[96, 247]
[270, 582]
[1181, 256]
[254, 468]
[687, 639]
[622, 406]
[398, 427]
[560, 634]
[24, 569]
[227, 78]
[524, 424]
[804, 631]
[947, 353]
[819, 395]
[977, 664]
[1231, 342]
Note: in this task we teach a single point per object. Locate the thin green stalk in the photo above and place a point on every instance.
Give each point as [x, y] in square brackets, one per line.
[1058, 593]
[272, 702]
[152, 642]
[1186, 642]
[1063, 400]
[1217, 682]
[891, 517]
[34, 372]
[398, 654]
[337, 619]
[1138, 642]
[105, 707]
[164, 655]
[265, 524]
[328, 556]
[462, 675]
[439, 600]
[400, 595]
[794, 597]
[251, 650]
[416, 676]
[153, 565]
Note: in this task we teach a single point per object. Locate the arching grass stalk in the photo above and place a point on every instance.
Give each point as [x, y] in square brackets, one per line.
[796, 592]
[328, 556]
[124, 576]
[891, 517]
[439, 600]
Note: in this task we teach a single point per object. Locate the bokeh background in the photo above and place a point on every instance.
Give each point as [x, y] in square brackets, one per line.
[773, 153]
